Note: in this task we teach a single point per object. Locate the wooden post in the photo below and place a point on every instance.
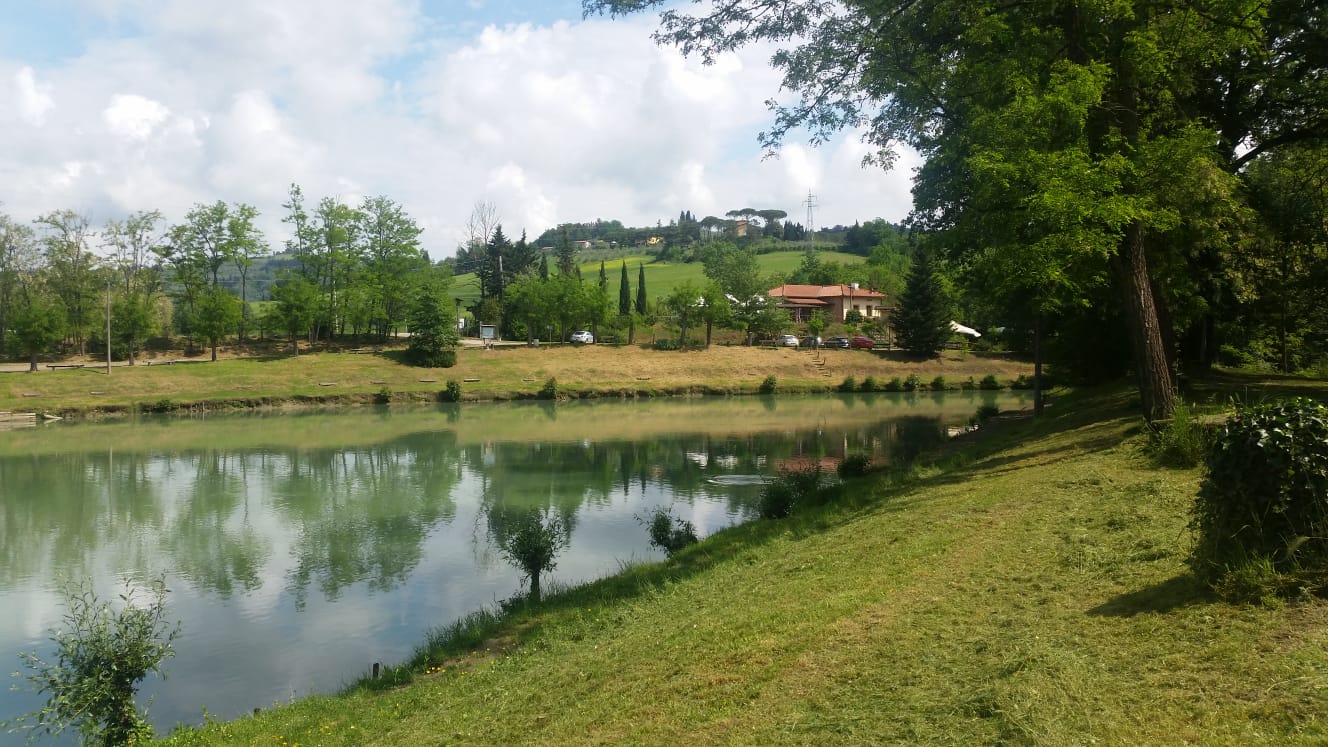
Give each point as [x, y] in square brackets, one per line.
[376, 667]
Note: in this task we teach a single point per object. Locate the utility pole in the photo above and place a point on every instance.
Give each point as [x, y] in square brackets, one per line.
[108, 326]
[810, 202]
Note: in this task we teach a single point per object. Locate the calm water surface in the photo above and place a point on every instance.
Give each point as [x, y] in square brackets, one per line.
[300, 548]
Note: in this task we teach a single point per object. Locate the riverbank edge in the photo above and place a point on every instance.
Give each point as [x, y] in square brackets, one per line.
[264, 402]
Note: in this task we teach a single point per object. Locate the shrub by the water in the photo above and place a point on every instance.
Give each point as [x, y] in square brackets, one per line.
[101, 655]
[791, 490]
[849, 384]
[550, 389]
[854, 465]
[989, 383]
[868, 384]
[668, 532]
[452, 393]
[768, 385]
[938, 384]
[912, 383]
[1264, 499]
[383, 396]
[894, 385]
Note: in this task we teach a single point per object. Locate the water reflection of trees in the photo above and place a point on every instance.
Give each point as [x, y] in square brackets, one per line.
[363, 514]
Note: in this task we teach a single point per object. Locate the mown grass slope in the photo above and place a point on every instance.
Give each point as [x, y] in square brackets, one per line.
[1030, 591]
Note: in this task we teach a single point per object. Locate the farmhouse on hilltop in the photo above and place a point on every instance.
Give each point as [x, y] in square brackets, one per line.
[834, 300]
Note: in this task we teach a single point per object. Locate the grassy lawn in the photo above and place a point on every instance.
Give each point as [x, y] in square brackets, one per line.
[503, 372]
[663, 277]
[1029, 588]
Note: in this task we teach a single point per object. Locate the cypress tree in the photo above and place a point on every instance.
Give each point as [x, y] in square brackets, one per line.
[603, 276]
[641, 291]
[624, 294]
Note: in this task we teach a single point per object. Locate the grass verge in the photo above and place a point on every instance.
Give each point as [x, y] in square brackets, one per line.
[1026, 588]
[501, 373]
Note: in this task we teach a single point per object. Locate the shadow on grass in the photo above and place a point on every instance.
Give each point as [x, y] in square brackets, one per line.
[1176, 592]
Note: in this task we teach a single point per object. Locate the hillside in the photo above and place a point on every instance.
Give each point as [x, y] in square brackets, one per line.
[1031, 589]
[663, 277]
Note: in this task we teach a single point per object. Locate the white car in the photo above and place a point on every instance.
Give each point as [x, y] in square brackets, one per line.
[582, 336]
[787, 341]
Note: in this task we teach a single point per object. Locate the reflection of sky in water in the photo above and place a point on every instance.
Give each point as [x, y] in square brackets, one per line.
[293, 569]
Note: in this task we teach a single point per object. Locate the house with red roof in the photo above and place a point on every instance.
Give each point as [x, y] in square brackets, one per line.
[834, 300]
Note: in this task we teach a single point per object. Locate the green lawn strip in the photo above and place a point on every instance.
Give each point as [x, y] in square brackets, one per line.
[1034, 594]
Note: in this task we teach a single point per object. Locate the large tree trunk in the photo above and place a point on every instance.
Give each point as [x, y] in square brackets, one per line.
[1157, 390]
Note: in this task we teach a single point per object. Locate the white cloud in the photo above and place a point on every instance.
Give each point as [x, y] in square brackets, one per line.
[32, 99]
[134, 117]
[568, 122]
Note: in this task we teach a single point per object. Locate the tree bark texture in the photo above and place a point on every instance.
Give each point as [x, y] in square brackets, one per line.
[1156, 382]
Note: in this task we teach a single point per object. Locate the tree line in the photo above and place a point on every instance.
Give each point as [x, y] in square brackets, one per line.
[357, 270]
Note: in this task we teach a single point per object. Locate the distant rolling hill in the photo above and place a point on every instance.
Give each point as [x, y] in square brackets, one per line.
[663, 277]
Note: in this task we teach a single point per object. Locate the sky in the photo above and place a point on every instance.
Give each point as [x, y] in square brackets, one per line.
[116, 106]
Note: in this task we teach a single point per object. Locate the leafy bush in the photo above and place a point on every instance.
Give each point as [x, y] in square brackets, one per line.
[160, 406]
[531, 541]
[665, 344]
[854, 465]
[849, 384]
[868, 384]
[1265, 497]
[668, 532]
[912, 383]
[101, 656]
[792, 489]
[990, 383]
[894, 385]
[768, 385]
[1183, 442]
[550, 389]
[938, 384]
[1022, 382]
[968, 384]
[383, 396]
[986, 412]
[452, 393]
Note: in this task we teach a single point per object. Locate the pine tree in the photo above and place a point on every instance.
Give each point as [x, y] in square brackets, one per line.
[923, 320]
[544, 267]
[641, 291]
[624, 294]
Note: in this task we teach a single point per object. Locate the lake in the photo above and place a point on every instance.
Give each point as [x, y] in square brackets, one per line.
[301, 547]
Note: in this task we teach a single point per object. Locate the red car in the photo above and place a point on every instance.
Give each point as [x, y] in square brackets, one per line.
[865, 343]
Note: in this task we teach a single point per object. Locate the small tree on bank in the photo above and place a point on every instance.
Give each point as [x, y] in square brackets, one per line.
[531, 541]
[433, 331]
[102, 654]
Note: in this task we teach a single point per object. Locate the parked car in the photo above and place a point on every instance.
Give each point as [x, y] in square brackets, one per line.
[837, 342]
[810, 341]
[865, 343]
[583, 336]
[787, 341]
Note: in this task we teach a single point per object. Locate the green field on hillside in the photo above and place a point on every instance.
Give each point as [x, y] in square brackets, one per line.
[663, 277]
